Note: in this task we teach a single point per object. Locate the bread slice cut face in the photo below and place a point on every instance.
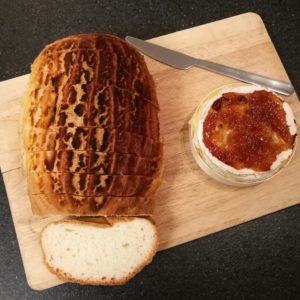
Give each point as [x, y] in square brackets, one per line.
[108, 252]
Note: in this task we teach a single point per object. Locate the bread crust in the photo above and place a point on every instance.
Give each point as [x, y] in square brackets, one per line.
[91, 93]
[91, 162]
[63, 204]
[88, 42]
[107, 223]
[40, 139]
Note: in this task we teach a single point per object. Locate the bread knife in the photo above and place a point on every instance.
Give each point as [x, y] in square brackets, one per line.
[182, 61]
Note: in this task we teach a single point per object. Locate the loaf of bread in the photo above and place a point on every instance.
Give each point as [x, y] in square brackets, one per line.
[91, 253]
[90, 129]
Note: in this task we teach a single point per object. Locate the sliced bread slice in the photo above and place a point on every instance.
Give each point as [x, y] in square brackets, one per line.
[108, 253]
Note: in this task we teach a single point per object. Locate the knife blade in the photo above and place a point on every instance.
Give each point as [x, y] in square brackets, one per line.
[182, 61]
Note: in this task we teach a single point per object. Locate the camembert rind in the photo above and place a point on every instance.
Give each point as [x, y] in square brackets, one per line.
[218, 169]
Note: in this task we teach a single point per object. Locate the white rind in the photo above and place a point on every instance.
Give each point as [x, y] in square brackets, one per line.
[280, 158]
[216, 168]
[290, 119]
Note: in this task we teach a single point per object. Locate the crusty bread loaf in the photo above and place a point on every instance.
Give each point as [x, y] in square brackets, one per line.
[90, 129]
[92, 253]
[91, 147]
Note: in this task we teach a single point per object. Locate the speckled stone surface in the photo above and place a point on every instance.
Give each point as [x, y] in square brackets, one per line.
[256, 260]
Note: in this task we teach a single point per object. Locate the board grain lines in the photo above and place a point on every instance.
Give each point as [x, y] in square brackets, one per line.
[189, 204]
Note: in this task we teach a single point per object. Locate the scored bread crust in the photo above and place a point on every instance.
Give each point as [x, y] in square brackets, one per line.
[120, 83]
[48, 64]
[89, 185]
[63, 204]
[91, 162]
[102, 223]
[109, 205]
[40, 139]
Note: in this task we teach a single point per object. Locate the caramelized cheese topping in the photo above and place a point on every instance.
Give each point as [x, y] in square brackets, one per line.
[247, 130]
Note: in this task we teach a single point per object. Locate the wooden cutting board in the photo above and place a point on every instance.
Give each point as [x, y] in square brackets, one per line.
[189, 204]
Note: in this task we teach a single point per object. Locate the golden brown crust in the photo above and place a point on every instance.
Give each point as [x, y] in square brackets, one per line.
[64, 204]
[108, 222]
[91, 127]
[89, 184]
[91, 162]
[105, 221]
[90, 139]
[78, 76]
[120, 56]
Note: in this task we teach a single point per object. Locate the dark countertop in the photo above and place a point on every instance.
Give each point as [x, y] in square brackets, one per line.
[259, 259]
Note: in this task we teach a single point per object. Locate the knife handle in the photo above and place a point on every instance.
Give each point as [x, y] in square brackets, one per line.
[274, 85]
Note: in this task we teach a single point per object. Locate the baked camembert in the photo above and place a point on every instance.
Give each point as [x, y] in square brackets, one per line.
[243, 134]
